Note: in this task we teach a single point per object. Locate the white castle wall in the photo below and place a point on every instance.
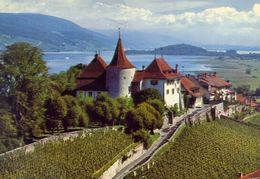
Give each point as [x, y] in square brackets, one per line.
[162, 86]
[118, 81]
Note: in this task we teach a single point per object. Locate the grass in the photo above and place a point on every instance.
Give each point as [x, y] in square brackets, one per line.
[219, 149]
[80, 157]
[254, 119]
[234, 70]
[154, 137]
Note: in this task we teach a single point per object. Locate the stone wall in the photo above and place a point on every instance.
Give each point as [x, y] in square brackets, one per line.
[66, 136]
[120, 164]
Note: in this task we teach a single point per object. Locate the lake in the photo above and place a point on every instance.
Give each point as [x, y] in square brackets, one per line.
[61, 61]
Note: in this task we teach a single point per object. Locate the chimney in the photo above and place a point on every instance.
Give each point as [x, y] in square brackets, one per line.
[176, 68]
[143, 67]
[214, 73]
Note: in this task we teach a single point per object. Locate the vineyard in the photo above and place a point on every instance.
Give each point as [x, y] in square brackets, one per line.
[79, 157]
[255, 119]
[219, 149]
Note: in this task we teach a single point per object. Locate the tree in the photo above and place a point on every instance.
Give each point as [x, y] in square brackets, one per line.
[106, 109]
[56, 110]
[144, 116]
[145, 95]
[73, 112]
[24, 84]
[124, 105]
[66, 81]
[157, 104]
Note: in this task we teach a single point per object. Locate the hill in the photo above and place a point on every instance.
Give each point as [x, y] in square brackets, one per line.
[79, 157]
[49, 33]
[219, 149]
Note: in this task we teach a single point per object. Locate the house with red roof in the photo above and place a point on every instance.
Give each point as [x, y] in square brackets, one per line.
[193, 92]
[120, 78]
[218, 88]
[161, 76]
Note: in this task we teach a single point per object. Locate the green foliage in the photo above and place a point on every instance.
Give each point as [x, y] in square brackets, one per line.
[24, 84]
[8, 132]
[56, 110]
[144, 116]
[79, 157]
[74, 111]
[66, 81]
[106, 109]
[145, 95]
[124, 105]
[141, 135]
[157, 104]
[219, 149]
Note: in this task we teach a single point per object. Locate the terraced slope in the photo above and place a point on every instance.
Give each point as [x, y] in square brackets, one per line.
[219, 149]
[80, 157]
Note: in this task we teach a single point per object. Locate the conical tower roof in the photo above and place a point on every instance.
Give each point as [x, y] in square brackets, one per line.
[119, 59]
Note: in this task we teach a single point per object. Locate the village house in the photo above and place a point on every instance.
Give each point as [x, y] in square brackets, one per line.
[120, 78]
[218, 88]
[193, 93]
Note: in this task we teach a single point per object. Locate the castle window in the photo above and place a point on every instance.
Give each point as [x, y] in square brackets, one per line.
[90, 93]
[167, 91]
[178, 90]
[124, 77]
[172, 90]
[154, 82]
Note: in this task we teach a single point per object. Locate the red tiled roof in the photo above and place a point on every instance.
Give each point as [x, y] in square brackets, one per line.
[96, 84]
[190, 86]
[93, 77]
[119, 59]
[213, 80]
[253, 175]
[158, 69]
[95, 68]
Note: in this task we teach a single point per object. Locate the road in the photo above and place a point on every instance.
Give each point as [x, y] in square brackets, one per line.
[164, 138]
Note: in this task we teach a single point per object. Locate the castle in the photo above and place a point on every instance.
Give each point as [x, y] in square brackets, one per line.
[120, 78]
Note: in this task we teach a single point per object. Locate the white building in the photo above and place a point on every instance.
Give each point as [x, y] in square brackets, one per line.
[159, 75]
[120, 78]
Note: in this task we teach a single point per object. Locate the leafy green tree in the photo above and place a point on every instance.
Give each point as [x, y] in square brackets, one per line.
[142, 135]
[144, 116]
[56, 110]
[145, 95]
[106, 109]
[66, 80]
[24, 84]
[124, 105]
[73, 112]
[158, 105]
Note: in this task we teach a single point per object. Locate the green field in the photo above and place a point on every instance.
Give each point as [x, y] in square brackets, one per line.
[235, 71]
[77, 158]
[255, 119]
[219, 149]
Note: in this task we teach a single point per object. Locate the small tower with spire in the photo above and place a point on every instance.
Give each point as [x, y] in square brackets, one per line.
[120, 72]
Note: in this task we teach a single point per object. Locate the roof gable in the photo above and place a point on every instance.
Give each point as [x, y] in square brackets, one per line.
[159, 68]
[119, 59]
[95, 68]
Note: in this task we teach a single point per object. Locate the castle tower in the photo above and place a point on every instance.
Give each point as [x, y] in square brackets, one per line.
[120, 73]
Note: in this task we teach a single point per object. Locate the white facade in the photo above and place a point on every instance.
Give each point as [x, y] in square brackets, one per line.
[118, 81]
[170, 90]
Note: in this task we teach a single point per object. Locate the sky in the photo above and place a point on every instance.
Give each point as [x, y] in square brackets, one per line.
[234, 22]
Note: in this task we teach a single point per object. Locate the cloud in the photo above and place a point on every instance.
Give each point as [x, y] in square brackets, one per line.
[165, 16]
